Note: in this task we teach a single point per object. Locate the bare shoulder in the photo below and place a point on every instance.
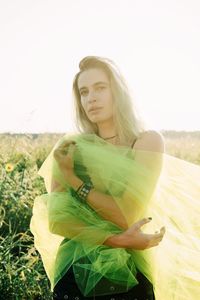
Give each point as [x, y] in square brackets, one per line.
[151, 140]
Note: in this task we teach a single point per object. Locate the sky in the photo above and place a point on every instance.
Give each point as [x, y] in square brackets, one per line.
[155, 44]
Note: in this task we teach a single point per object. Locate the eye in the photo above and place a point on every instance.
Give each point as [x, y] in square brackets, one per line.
[83, 93]
[99, 88]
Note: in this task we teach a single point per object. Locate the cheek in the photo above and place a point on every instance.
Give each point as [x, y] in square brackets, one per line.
[83, 103]
[109, 99]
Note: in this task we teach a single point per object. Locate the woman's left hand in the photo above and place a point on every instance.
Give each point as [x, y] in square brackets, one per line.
[64, 156]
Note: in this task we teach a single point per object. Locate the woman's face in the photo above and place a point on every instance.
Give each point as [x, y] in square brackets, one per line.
[95, 91]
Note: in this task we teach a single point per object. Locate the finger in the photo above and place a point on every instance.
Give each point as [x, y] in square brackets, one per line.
[71, 149]
[66, 143]
[142, 222]
[153, 244]
[154, 241]
[159, 235]
[64, 147]
[156, 236]
[161, 230]
[57, 154]
[158, 239]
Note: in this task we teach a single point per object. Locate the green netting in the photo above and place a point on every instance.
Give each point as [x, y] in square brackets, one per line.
[142, 183]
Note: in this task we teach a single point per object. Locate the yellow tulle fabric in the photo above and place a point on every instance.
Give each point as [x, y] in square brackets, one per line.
[142, 183]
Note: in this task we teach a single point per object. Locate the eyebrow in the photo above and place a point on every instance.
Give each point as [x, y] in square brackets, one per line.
[95, 84]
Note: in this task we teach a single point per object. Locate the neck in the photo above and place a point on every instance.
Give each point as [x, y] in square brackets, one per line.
[106, 130]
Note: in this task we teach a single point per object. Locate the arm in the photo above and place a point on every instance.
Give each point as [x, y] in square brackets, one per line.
[117, 241]
[63, 221]
[114, 240]
[151, 141]
[105, 205]
[154, 142]
[149, 153]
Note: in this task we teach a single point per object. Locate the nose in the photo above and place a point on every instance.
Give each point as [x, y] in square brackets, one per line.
[91, 96]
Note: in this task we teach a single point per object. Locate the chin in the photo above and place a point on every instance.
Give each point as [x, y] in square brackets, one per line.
[96, 120]
[99, 119]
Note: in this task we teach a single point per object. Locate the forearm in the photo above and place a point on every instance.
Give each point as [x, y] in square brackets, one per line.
[106, 206]
[117, 241]
[81, 231]
[74, 228]
[103, 204]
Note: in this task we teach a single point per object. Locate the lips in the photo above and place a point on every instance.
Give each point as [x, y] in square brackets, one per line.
[94, 109]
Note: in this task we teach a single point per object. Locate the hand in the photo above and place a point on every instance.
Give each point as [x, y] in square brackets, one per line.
[64, 156]
[138, 240]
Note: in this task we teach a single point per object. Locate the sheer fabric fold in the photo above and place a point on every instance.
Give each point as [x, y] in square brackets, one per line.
[142, 183]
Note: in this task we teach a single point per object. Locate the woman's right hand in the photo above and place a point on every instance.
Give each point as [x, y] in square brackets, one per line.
[63, 154]
[138, 240]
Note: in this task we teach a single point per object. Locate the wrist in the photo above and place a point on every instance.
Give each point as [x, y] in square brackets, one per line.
[73, 180]
[117, 241]
[123, 240]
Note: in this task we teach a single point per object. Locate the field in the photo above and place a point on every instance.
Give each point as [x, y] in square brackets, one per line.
[22, 276]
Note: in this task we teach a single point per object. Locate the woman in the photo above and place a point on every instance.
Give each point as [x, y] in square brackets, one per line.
[101, 184]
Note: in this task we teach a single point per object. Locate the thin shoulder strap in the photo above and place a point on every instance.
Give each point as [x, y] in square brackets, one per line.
[133, 143]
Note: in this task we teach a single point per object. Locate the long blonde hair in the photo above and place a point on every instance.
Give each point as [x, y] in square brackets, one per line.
[127, 121]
